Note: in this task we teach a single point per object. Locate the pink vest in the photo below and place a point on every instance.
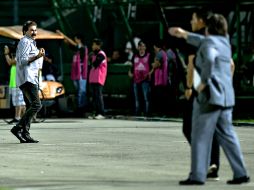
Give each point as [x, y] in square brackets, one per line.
[141, 68]
[161, 73]
[99, 74]
[76, 72]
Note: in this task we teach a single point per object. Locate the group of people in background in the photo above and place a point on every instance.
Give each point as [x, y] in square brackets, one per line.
[152, 75]
[89, 71]
[95, 74]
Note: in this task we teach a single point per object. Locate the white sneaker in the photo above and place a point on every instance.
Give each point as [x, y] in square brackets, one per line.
[99, 117]
[212, 168]
[90, 117]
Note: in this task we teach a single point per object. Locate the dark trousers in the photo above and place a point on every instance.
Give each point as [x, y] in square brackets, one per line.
[97, 97]
[160, 100]
[143, 87]
[187, 118]
[33, 105]
[187, 128]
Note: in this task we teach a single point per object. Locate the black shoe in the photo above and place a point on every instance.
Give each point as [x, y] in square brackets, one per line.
[13, 121]
[16, 131]
[35, 121]
[238, 181]
[29, 139]
[213, 176]
[190, 182]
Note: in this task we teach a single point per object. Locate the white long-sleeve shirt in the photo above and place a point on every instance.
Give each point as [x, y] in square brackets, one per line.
[27, 72]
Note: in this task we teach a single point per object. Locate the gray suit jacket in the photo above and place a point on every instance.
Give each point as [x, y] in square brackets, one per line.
[213, 61]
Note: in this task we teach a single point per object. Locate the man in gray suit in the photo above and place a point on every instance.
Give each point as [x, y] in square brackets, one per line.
[213, 106]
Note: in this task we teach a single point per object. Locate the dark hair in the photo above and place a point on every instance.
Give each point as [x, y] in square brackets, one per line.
[26, 26]
[159, 43]
[79, 36]
[203, 13]
[97, 41]
[141, 42]
[217, 25]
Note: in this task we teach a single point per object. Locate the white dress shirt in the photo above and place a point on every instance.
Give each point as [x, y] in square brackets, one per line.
[27, 72]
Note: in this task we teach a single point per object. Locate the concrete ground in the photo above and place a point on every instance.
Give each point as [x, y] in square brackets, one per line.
[111, 154]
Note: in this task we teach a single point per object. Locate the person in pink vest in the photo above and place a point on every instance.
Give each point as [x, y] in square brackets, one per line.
[97, 77]
[139, 72]
[161, 80]
[79, 69]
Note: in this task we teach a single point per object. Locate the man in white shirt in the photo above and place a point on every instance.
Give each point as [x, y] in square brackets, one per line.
[29, 62]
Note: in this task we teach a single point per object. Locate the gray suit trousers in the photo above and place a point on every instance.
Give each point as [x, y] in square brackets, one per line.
[206, 122]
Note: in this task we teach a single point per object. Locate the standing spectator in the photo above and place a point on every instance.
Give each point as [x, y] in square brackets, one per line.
[97, 77]
[172, 67]
[29, 62]
[49, 70]
[140, 74]
[116, 57]
[160, 70]
[79, 68]
[16, 94]
[173, 77]
[130, 50]
[213, 106]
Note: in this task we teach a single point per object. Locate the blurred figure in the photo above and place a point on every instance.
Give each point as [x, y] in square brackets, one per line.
[16, 94]
[130, 50]
[173, 78]
[160, 71]
[172, 67]
[97, 77]
[116, 57]
[213, 105]
[49, 70]
[141, 81]
[79, 69]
